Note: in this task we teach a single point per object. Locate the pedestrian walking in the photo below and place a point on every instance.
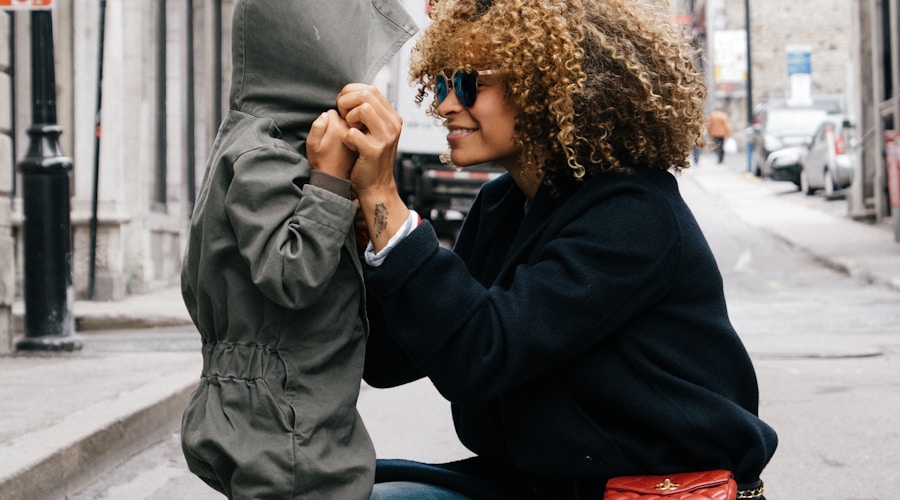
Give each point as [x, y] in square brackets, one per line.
[578, 327]
[271, 276]
[719, 130]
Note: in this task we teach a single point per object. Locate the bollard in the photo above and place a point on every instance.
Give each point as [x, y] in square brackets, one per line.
[47, 243]
[749, 156]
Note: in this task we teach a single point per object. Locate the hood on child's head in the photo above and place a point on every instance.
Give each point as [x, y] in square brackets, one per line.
[291, 60]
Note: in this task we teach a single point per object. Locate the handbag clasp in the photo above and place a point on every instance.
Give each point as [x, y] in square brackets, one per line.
[666, 485]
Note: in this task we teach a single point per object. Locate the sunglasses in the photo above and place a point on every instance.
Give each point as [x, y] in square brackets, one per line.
[463, 83]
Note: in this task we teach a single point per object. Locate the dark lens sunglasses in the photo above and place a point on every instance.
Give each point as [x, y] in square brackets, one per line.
[463, 83]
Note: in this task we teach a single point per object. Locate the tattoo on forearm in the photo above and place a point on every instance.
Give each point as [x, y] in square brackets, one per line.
[381, 214]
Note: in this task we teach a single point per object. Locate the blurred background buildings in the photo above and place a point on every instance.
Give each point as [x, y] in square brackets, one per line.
[759, 51]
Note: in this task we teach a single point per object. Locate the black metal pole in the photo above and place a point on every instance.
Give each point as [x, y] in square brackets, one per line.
[749, 84]
[92, 267]
[191, 118]
[749, 63]
[47, 244]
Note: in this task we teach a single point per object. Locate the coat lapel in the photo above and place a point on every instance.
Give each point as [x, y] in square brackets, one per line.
[498, 232]
[533, 226]
[493, 223]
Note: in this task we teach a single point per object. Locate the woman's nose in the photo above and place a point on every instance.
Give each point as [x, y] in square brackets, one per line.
[449, 105]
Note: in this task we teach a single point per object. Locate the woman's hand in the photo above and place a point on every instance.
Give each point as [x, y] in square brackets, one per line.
[325, 148]
[374, 131]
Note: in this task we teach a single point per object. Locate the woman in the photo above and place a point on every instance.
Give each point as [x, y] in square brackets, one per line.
[579, 326]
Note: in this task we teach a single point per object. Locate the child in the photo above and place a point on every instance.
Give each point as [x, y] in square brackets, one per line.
[271, 275]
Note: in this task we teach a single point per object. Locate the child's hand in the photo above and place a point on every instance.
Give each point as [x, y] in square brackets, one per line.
[325, 148]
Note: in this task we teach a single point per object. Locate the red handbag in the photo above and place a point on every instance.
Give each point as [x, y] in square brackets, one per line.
[712, 485]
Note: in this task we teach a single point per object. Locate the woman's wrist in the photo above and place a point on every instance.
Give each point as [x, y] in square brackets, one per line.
[375, 259]
[384, 215]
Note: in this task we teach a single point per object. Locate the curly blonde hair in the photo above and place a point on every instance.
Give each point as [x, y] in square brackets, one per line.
[600, 84]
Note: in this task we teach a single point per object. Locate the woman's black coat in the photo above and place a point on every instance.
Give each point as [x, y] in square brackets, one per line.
[583, 338]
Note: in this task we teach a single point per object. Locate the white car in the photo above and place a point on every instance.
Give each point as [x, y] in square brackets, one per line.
[777, 127]
[829, 161]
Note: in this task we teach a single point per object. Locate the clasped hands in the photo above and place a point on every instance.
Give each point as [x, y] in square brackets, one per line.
[358, 141]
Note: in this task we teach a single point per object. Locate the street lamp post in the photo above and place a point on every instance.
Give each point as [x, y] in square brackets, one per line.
[47, 245]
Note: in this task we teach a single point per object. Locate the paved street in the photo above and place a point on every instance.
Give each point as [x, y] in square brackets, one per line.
[825, 344]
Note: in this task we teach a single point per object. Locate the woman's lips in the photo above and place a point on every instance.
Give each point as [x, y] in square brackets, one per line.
[457, 134]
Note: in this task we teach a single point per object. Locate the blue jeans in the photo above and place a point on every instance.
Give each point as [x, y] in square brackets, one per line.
[406, 490]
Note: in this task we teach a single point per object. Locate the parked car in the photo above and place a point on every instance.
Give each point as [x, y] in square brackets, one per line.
[833, 104]
[829, 163]
[779, 127]
[786, 164]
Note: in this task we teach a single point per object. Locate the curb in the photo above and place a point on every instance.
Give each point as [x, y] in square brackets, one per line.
[90, 322]
[846, 266]
[158, 309]
[59, 460]
[127, 322]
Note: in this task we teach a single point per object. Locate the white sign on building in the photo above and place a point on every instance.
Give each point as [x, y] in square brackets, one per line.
[730, 60]
[799, 70]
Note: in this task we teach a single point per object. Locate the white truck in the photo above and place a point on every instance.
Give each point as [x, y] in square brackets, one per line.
[437, 192]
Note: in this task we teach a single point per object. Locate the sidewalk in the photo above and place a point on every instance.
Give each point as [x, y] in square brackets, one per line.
[861, 250]
[65, 415]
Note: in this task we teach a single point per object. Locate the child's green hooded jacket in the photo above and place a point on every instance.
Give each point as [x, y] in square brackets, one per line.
[271, 275]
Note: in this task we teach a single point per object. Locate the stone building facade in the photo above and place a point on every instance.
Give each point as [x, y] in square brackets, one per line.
[163, 88]
[821, 25]
[774, 27]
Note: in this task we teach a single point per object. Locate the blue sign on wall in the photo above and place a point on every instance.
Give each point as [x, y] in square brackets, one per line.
[799, 63]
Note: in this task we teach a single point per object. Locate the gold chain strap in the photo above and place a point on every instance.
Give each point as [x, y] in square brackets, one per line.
[754, 493]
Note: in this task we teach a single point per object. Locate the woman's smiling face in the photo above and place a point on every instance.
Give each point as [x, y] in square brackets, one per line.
[484, 132]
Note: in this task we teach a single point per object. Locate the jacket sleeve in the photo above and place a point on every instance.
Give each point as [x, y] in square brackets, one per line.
[289, 232]
[585, 280]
